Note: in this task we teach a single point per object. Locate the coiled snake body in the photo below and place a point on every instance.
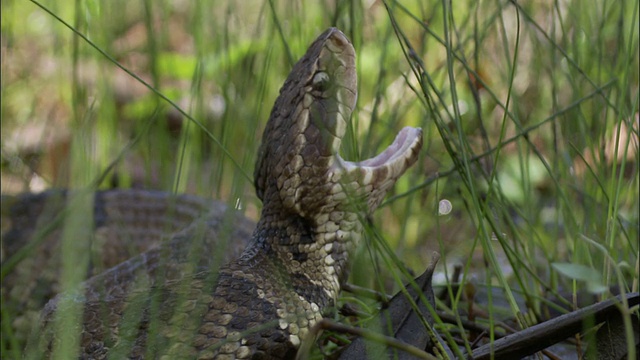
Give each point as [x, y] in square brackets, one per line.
[263, 303]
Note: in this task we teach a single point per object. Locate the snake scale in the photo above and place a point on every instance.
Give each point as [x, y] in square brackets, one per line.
[171, 301]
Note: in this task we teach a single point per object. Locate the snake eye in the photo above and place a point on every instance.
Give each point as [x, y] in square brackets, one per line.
[321, 81]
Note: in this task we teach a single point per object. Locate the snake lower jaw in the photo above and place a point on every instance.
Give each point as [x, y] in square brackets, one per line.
[372, 178]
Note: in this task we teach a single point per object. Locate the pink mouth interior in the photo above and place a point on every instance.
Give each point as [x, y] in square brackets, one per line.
[405, 138]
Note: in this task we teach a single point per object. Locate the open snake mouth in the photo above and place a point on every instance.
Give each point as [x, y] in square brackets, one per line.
[398, 151]
[390, 163]
[298, 159]
[331, 116]
[373, 177]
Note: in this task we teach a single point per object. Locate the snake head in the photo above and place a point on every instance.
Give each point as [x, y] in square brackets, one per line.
[299, 167]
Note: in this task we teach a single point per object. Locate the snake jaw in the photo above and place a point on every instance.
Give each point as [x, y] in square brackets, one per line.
[372, 178]
[307, 124]
[305, 152]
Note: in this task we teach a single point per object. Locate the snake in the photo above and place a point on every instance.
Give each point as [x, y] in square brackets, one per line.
[175, 301]
[126, 223]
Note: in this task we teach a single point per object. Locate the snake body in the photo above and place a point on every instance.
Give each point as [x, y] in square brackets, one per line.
[126, 223]
[262, 304]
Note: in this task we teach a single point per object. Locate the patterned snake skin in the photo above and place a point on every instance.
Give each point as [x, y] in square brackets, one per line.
[126, 223]
[173, 301]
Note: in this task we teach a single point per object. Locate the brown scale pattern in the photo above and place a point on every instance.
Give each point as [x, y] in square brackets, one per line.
[126, 223]
[175, 302]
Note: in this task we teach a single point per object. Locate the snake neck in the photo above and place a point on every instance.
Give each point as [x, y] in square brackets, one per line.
[314, 249]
